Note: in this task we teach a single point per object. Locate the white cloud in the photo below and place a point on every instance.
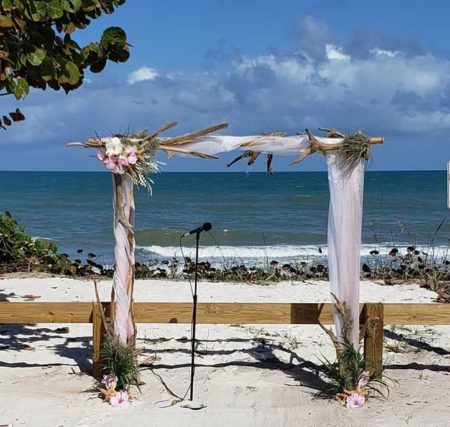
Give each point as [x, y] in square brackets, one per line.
[385, 92]
[142, 74]
[389, 53]
[334, 52]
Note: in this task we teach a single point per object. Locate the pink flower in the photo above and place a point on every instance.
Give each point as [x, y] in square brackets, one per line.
[113, 164]
[364, 379]
[132, 158]
[131, 152]
[109, 381]
[117, 169]
[124, 161]
[121, 400]
[101, 154]
[109, 163]
[355, 400]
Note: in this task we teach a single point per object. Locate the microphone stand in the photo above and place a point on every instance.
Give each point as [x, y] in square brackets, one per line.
[194, 315]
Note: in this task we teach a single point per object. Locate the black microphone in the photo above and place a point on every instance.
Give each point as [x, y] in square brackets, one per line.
[205, 227]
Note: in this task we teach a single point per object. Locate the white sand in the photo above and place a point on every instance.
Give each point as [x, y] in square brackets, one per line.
[247, 375]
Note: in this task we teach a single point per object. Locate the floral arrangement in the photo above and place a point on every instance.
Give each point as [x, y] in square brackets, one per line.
[116, 398]
[357, 397]
[134, 154]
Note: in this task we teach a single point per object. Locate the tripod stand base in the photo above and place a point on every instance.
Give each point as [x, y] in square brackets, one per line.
[195, 405]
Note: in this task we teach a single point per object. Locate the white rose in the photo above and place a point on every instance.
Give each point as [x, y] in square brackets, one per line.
[114, 147]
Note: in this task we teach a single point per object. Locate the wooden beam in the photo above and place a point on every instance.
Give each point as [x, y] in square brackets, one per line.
[220, 313]
[45, 312]
[239, 313]
[416, 314]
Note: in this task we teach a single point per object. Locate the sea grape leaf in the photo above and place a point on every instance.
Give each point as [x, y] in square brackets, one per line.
[35, 58]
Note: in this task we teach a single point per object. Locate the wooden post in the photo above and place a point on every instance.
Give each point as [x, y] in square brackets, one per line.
[373, 316]
[98, 336]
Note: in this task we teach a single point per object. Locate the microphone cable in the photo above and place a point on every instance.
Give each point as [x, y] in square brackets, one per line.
[218, 247]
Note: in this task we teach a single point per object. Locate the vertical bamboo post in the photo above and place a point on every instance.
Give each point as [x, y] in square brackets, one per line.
[123, 279]
[373, 316]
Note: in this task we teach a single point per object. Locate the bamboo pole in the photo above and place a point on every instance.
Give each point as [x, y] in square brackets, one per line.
[123, 280]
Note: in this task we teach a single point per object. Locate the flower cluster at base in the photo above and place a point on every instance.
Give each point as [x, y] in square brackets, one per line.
[116, 398]
[356, 398]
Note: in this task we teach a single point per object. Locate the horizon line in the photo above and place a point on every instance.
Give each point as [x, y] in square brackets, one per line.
[225, 171]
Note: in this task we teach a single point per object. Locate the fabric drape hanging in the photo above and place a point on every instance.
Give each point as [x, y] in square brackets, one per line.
[344, 237]
[123, 280]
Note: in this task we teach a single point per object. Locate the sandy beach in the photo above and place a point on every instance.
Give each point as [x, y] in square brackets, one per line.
[247, 375]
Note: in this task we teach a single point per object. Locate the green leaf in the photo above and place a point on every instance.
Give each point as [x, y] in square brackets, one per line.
[76, 4]
[98, 66]
[47, 69]
[7, 5]
[121, 55]
[21, 88]
[113, 36]
[38, 11]
[72, 72]
[35, 58]
[55, 9]
[7, 121]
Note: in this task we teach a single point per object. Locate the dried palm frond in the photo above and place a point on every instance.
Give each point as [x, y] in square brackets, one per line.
[189, 137]
[269, 158]
[354, 148]
[251, 155]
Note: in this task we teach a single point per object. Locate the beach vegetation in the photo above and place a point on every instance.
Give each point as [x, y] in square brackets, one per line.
[21, 252]
[37, 48]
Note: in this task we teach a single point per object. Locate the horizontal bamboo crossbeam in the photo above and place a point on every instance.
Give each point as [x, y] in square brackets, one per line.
[220, 313]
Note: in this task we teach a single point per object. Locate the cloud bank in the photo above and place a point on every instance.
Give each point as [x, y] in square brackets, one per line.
[386, 86]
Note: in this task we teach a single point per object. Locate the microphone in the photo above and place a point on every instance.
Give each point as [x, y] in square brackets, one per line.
[205, 227]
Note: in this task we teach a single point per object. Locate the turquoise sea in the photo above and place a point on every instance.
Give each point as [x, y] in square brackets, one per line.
[255, 216]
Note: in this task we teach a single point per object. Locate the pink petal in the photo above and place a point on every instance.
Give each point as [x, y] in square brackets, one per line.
[114, 401]
[101, 154]
[132, 159]
[355, 400]
[130, 149]
[109, 164]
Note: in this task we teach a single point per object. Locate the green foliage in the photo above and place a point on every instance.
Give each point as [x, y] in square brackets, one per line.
[21, 252]
[37, 49]
[344, 373]
[17, 247]
[121, 361]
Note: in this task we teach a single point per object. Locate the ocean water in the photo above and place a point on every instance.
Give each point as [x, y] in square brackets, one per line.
[255, 217]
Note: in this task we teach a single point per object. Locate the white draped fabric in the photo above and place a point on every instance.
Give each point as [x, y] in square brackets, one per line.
[345, 212]
[344, 237]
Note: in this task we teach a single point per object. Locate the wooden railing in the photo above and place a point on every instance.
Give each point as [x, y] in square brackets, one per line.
[376, 315]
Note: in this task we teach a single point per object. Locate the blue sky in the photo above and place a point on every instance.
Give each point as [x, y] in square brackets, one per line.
[382, 66]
